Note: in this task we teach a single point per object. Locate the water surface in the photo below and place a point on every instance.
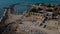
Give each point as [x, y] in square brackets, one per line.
[21, 9]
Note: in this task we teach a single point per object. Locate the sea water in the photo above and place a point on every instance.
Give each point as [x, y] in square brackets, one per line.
[20, 8]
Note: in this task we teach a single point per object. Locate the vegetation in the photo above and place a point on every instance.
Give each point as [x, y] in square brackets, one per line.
[43, 4]
[33, 10]
[36, 10]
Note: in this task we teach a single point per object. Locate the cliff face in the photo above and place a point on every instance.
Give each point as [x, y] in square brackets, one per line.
[33, 22]
[31, 25]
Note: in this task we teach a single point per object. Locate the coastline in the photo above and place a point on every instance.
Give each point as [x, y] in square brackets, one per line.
[39, 19]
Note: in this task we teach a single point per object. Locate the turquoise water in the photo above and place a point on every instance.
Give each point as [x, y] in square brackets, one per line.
[21, 9]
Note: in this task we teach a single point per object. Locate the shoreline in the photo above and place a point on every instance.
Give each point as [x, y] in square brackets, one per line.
[39, 19]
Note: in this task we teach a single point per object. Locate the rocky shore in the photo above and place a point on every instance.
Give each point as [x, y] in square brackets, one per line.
[40, 19]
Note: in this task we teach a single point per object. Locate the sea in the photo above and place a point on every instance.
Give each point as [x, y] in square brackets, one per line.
[22, 8]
